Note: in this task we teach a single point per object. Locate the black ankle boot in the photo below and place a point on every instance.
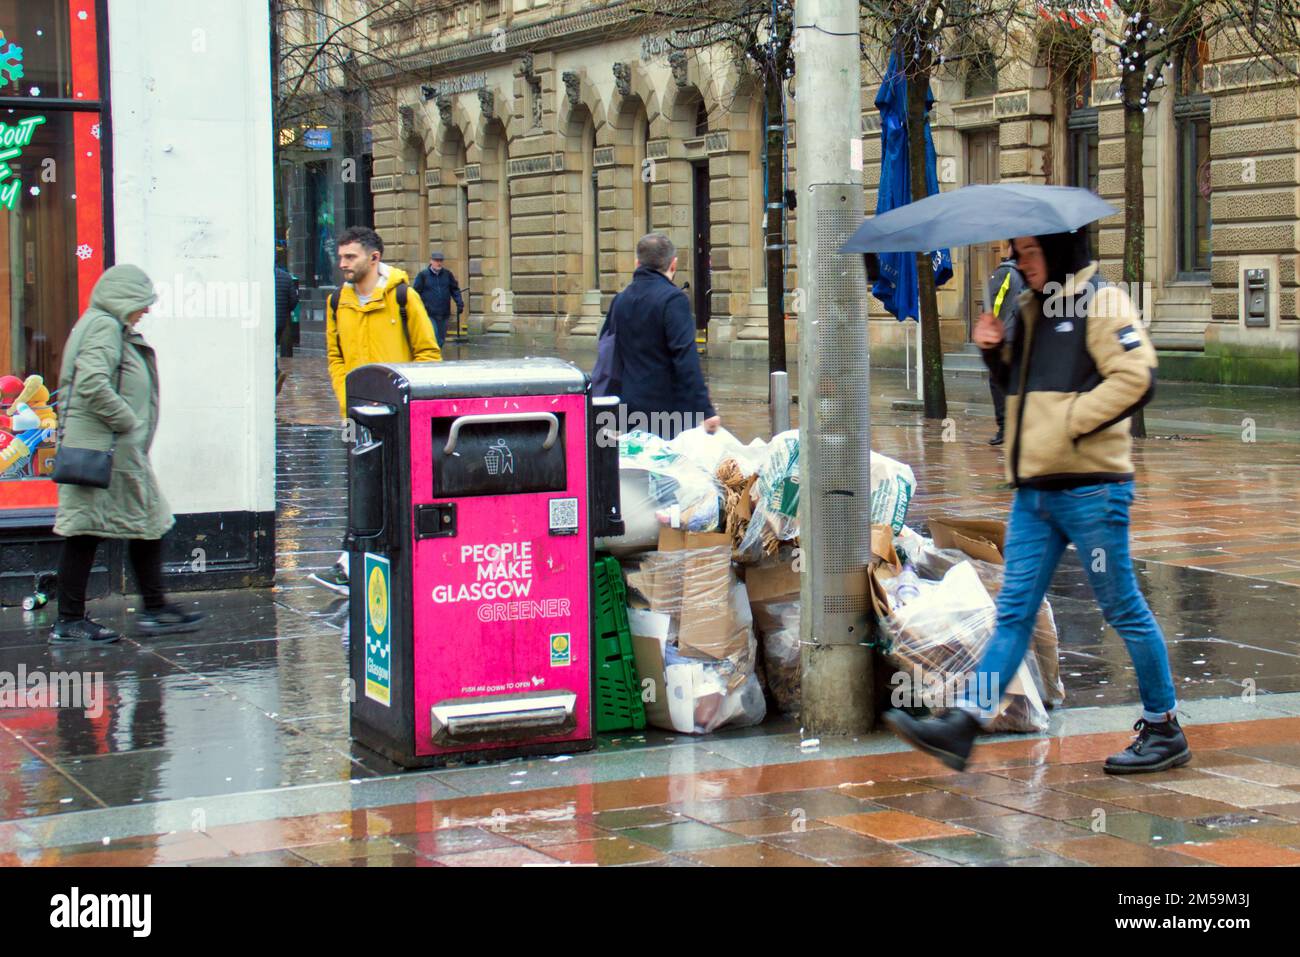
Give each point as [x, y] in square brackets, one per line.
[948, 737]
[1159, 745]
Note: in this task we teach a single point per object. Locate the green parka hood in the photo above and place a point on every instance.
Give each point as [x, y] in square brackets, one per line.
[122, 290]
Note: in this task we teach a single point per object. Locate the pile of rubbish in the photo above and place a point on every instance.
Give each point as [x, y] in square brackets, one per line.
[712, 564]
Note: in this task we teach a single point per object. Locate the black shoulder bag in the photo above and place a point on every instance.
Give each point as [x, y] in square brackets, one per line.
[90, 467]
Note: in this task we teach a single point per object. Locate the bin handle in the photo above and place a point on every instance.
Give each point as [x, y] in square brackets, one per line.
[547, 417]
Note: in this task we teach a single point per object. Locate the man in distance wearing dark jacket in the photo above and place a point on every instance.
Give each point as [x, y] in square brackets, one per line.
[437, 287]
[658, 373]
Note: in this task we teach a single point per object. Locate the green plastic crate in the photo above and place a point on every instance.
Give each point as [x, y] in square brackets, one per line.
[618, 697]
[610, 597]
[618, 691]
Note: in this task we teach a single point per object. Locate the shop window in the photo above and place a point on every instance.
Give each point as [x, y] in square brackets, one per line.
[51, 224]
[320, 207]
[1192, 131]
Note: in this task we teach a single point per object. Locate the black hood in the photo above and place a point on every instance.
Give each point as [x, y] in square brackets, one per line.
[1065, 254]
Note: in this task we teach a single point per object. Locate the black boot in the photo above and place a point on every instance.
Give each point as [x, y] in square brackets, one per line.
[1159, 745]
[997, 439]
[948, 737]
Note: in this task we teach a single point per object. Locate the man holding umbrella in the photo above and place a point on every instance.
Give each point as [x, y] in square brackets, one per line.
[1079, 364]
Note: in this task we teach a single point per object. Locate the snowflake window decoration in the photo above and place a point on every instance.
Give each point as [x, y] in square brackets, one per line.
[11, 61]
[84, 252]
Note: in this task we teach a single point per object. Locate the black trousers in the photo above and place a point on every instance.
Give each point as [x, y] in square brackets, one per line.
[78, 557]
[999, 403]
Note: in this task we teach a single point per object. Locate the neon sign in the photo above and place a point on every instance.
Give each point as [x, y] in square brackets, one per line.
[14, 137]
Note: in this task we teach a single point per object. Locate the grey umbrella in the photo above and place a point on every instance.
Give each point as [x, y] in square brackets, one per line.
[978, 214]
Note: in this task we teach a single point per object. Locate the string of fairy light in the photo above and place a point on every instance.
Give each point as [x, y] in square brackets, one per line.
[1134, 55]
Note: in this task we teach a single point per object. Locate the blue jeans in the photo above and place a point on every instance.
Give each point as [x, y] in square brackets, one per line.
[440, 329]
[1095, 519]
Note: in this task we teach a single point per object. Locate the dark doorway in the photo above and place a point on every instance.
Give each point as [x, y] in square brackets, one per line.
[702, 266]
[320, 240]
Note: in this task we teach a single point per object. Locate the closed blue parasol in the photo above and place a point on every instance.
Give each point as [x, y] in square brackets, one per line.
[897, 286]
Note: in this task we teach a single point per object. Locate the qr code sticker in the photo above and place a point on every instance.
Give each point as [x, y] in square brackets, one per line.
[564, 516]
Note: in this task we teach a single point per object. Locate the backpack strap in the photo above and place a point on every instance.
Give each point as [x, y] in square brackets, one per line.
[401, 309]
[401, 292]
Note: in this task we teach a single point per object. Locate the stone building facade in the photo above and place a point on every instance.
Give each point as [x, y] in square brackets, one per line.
[535, 140]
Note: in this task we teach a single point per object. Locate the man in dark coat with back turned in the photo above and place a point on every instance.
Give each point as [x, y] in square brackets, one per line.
[658, 371]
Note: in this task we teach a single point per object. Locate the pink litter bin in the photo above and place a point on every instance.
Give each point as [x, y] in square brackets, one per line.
[475, 490]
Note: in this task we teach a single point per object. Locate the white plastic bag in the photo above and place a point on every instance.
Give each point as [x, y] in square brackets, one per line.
[892, 485]
[684, 494]
[777, 624]
[940, 637]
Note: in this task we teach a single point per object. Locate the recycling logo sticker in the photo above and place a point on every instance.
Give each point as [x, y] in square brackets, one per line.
[379, 639]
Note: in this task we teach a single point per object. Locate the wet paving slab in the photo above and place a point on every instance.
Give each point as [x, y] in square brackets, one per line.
[245, 722]
[790, 816]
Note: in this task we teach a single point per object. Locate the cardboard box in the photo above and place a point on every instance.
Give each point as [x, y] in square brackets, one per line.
[882, 545]
[690, 578]
[677, 539]
[982, 538]
[649, 632]
[772, 581]
[884, 565]
[653, 585]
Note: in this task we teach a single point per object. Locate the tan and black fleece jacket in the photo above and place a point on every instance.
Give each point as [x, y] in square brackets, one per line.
[1078, 366]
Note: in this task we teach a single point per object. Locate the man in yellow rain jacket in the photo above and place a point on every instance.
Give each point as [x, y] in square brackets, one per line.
[372, 318]
[363, 320]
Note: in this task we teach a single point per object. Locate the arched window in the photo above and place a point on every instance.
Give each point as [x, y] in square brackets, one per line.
[981, 75]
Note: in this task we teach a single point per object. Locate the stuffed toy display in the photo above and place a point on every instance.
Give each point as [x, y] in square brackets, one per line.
[28, 426]
[17, 451]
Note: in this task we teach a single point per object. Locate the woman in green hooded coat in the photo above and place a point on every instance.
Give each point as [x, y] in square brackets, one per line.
[110, 400]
